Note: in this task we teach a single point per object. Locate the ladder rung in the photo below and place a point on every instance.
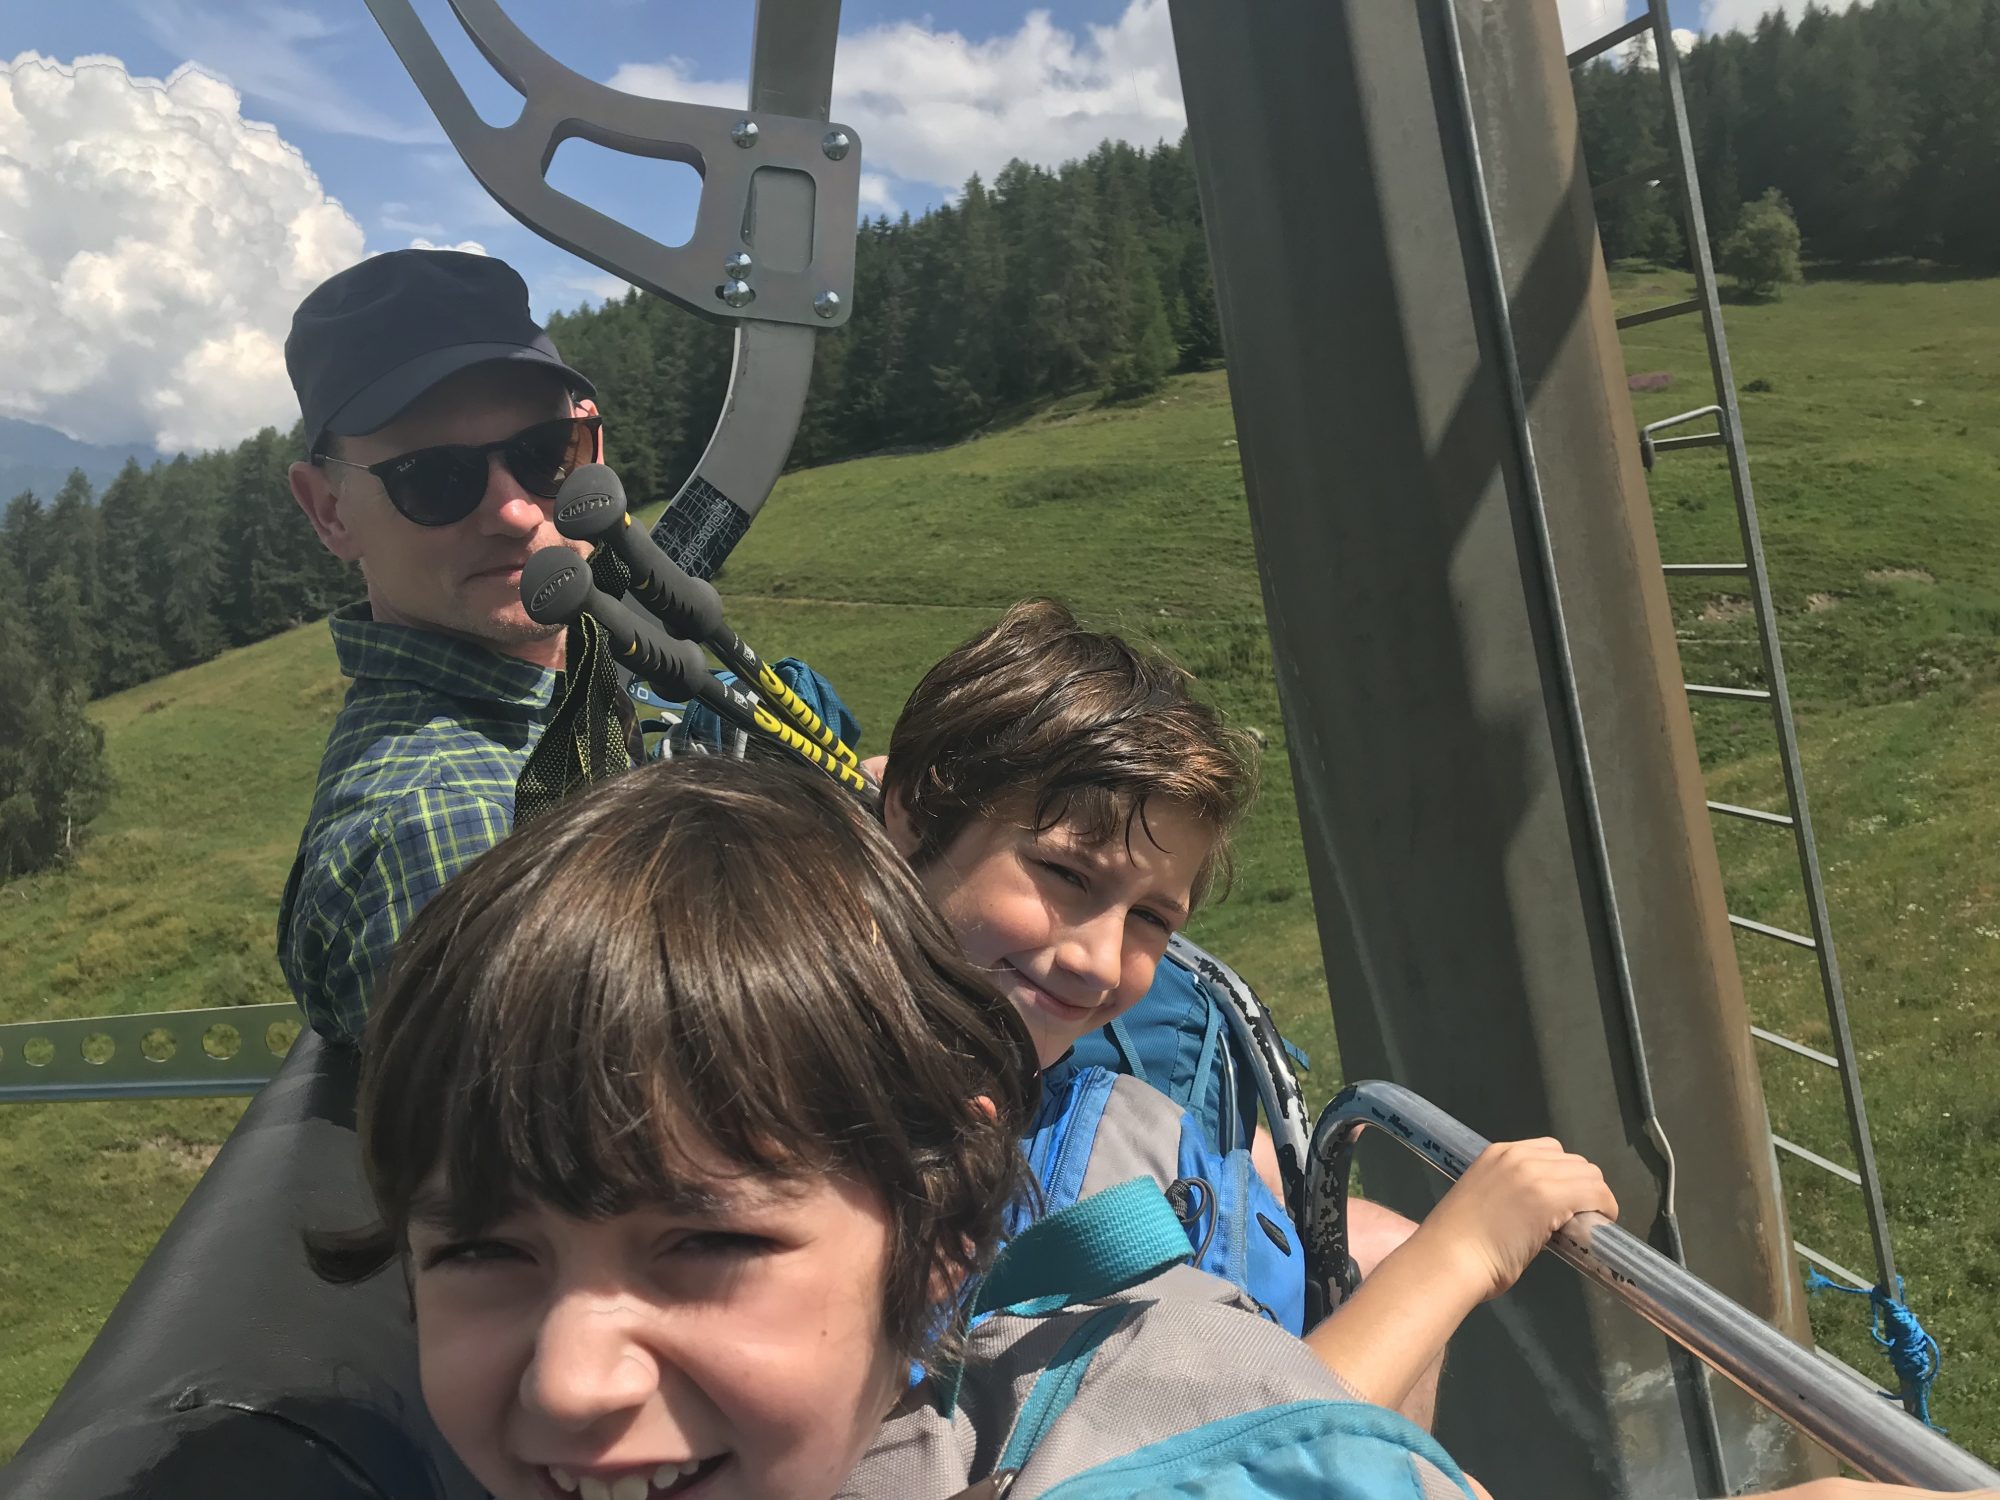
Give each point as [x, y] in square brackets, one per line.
[1610, 39]
[1799, 1047]
[1706, 690]
[1658, 314]
[1698, 440]
[1706, 570]
[1658, 171]
[1796, 939]
[1754, 814]
[1845, 1174]
[1854, 1278]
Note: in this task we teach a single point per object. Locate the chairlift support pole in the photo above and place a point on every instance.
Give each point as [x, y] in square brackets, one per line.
[1520, 905]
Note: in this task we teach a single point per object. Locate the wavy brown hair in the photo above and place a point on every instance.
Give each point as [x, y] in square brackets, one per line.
[705, 960]
[1083, 724]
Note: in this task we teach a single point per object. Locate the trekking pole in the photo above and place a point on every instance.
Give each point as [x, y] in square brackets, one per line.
[556, 588]
[1835, 1410]
[591, 507]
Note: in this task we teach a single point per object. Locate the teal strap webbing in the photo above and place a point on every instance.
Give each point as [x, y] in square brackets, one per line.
[1057, 1385]
[1108, 1242]
[1121, 1038]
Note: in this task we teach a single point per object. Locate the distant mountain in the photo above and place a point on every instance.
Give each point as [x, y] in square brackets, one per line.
[38, 458]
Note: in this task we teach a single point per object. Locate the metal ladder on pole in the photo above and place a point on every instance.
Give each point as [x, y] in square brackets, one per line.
[1679, 168]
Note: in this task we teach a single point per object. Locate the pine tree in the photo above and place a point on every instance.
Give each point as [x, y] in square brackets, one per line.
[53, 778]
[129, 644]
[183, 562]
[24, 532]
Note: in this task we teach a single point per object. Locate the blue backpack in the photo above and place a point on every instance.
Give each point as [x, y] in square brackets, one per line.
[1203, 1038]
[697, 727]
[1073, 1266]
[1096, 1128]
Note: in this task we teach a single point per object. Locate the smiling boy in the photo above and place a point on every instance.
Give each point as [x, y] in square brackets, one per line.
[1066, 802]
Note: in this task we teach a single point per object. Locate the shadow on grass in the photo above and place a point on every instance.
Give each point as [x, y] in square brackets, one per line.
[1901, 271]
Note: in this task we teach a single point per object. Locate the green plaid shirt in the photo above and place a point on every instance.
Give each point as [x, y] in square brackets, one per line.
[417, 782]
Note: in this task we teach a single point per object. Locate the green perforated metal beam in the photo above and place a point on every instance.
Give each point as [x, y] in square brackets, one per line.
[156, 1055]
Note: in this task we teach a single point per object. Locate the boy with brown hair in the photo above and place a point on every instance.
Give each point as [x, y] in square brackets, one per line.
[1066, 801]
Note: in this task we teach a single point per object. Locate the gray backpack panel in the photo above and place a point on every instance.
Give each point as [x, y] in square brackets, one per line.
[1191, 1350]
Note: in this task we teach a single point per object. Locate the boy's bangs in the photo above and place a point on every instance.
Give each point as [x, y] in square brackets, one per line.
[568, 1047]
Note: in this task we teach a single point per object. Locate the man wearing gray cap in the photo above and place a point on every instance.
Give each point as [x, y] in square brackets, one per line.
[440, 422]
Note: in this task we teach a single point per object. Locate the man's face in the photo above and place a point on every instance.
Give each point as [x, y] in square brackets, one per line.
[463, 579]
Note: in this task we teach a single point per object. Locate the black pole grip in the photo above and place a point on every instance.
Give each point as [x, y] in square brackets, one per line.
[591, 507]
[556, 587]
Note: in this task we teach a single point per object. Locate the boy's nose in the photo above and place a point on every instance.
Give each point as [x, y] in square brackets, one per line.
[1094, 951]
[589, 1363]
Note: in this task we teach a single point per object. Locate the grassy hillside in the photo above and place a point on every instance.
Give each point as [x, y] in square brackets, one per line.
[1881, 526]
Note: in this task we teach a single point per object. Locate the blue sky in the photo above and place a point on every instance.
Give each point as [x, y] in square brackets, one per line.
[175, 226]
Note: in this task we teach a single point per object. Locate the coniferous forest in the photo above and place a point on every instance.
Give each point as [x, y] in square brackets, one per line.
[1880, 126]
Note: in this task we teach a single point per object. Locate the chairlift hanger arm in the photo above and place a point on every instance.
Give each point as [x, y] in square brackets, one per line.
[737, 152]
[773, 247]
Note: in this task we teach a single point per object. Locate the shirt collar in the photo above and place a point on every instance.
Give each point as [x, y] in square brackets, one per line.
[368, 648]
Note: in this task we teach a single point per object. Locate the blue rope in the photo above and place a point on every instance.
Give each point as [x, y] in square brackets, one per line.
[1912, 1352]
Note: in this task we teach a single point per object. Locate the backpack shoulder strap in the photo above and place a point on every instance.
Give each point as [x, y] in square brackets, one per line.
[1110, 1241]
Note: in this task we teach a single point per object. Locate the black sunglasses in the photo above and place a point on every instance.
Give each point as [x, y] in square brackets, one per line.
[443, 485]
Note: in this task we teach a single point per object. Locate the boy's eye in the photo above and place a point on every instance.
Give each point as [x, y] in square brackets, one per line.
[470, 1253]
[1062, 872]
[1155, 918]
[721, 1243]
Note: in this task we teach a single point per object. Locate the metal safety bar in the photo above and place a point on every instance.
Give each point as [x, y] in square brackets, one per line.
[774, 239]
[177, 1054]
[1681, 171]
[1840, 1413]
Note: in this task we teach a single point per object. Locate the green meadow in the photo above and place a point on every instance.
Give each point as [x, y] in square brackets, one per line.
[1870, 410]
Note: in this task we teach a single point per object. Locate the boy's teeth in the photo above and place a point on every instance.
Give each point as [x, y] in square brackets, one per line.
[626, 1486]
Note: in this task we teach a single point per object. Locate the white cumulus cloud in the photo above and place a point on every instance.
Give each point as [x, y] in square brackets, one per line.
[1640, 52]
[1584, 20]
[933, 107]
[1743, 15]
[470, 247]
[156, 243]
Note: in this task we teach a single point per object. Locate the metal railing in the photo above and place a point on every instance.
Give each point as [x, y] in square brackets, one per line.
[1842, 1414]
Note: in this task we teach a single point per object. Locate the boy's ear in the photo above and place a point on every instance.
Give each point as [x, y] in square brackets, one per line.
[896, 819]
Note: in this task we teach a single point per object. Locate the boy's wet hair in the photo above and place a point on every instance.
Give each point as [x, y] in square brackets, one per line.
[1087, 726]
[705, 965]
